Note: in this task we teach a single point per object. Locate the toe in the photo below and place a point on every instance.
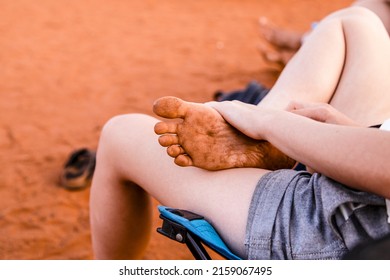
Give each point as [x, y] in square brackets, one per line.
[183, 160]
[273, 57]
[175, 150]
[170, 107]
[165, 127]
[168, 140]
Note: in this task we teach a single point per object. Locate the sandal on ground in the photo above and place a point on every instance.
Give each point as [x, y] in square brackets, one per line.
[78, 169]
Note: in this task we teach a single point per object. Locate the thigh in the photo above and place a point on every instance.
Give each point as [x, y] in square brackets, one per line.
[223, 197]
[380, 8]
[363, 89]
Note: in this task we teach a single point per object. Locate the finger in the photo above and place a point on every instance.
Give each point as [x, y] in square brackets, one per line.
[294, 105]
[316, 114]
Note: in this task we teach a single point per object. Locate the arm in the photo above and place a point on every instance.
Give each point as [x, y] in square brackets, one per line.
[355, 156]
[322, 112]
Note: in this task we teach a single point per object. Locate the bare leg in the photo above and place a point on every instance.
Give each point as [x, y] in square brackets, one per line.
[379, 7]
[280, 38]
[119, 206]
[343, 62]
[362, 92]
[129, 156]
[205, 140]
[281, 57]
[285, 42]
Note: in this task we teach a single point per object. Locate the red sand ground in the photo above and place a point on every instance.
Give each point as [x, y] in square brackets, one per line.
[66, 67]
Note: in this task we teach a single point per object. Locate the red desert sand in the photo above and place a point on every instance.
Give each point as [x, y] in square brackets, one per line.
[69, 66]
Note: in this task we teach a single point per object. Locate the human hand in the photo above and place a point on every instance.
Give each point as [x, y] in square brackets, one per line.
[321, 112]
[249, 119]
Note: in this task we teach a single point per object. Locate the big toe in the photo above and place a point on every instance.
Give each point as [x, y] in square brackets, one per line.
[170, 107]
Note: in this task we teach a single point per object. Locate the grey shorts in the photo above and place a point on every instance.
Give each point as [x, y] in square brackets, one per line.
[293, 216]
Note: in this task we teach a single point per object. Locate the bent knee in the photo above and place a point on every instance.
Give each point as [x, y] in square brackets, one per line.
[360, 13]
[122, 129]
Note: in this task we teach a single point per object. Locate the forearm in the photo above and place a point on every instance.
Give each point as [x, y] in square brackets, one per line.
[357, 157]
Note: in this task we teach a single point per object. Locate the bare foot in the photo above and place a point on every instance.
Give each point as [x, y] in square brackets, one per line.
[285, 42]
[202, 138]
[280, 38]
[280, 57]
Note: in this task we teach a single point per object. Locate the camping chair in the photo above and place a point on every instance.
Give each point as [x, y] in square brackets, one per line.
[192, 229]
[186, 227]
